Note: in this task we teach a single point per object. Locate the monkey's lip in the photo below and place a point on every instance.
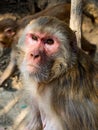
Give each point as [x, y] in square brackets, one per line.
[32, 67]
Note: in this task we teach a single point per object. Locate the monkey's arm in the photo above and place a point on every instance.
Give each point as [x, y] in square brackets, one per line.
[9, 70]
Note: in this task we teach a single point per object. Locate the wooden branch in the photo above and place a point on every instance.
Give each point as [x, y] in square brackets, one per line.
[76, 19]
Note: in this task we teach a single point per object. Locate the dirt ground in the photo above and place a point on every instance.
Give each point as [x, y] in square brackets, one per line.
[13, 103]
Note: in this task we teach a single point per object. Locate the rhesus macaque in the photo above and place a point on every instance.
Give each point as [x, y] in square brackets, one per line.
[8, 31]
[59, 77]
[60, 11]
[43, 4]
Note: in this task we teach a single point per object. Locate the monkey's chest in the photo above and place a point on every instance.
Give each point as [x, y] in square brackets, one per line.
[43, 101]
[48, 116]
[49, 119]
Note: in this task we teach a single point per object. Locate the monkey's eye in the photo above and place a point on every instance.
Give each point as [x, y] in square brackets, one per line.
[34, 37]
[49, 41]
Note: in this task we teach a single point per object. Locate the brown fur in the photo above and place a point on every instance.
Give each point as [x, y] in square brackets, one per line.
[60, 11]
[8, 32]
[67, 96]
[8, 29]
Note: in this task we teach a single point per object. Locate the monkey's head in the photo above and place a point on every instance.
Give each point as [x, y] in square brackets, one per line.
[49, 48]
[8, 29]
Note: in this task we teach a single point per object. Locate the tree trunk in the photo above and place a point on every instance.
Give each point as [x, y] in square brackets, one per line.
[76, 19]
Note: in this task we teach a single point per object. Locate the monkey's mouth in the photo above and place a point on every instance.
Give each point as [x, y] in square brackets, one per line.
[31, 68]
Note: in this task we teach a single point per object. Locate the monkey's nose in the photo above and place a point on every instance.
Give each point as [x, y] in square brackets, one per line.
[35, 54]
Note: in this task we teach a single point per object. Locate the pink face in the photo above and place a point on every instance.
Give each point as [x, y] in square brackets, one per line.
[38, 48]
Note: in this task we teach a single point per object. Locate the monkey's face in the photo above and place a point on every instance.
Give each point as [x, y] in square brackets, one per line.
[7, 37]
[8, 28]
[46, 49]
[40, 51]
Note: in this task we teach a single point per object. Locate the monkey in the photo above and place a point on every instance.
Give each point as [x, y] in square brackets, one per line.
[44, 4]
[54, 11]
[60, 11]
[58, 76]
[8, 31]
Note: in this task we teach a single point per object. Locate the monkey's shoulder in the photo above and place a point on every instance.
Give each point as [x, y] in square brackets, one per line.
[85, 62]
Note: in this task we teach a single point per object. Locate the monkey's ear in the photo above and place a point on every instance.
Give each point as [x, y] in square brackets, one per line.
[9, 32]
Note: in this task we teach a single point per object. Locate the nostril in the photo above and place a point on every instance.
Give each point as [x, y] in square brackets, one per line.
[31, 55]
[36, 56]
